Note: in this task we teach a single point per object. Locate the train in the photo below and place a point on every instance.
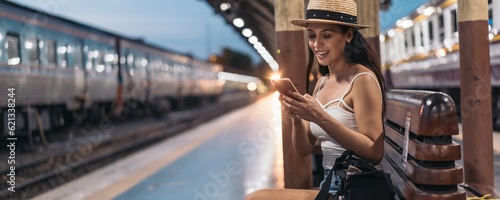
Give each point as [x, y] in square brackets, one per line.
[67, 71]
[421, 51]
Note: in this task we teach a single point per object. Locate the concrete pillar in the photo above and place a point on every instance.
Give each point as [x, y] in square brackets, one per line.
[368, 14]
[475, 91]
[292, 57]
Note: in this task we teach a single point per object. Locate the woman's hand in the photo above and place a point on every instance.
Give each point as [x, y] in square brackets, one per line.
[305, 107]
[285, 107]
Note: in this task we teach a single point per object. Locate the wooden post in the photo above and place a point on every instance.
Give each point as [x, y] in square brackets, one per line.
[368, 14]
[292, 54]
[475, 91]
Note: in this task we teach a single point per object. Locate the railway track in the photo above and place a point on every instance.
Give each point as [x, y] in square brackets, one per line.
[75, 159]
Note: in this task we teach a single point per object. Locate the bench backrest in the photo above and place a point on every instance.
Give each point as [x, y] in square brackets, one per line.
[428, 171]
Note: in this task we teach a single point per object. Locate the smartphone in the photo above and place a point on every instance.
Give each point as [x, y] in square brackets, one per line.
[283, 85]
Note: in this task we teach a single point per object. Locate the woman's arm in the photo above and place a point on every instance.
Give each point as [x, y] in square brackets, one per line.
[302, 139]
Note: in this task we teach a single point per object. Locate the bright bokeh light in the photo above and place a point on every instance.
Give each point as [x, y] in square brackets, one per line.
[28, 45]
[275, 76]
[391, 33]
[238, 22]
[382, 38]
[429, 11]
[440, 53]
[247, 32]
[253, 40]
[252, 86]
[61, 50]
[225, 6]
[257, 45]
[99, 68]
[405, 23]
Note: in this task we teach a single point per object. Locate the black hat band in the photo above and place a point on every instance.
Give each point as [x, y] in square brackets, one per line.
[329, 15]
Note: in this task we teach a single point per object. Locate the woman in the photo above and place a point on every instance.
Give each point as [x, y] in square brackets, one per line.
[346, 108]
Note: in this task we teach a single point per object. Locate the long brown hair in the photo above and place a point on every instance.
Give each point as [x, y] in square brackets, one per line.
[358, 51]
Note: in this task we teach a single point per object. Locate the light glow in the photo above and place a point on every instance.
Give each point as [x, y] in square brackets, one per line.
[252, 86]
[391, 33]
[28, 45]
[225, 6]
[429, 11]
[238, 22]
[253, 40]
[275, 76]
[247, 32]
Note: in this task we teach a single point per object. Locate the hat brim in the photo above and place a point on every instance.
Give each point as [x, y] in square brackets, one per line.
[304, 22]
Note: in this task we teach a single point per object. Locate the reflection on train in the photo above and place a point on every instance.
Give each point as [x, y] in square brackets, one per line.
[237, 83]
[421, 50]
[68, 71]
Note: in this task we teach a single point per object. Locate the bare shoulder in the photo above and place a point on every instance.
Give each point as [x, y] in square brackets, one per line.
[366, 84]
[363, 72]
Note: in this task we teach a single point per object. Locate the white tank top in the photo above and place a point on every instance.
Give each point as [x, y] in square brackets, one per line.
[332, 149]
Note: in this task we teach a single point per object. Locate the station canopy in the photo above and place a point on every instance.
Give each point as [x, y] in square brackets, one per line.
[257, 16]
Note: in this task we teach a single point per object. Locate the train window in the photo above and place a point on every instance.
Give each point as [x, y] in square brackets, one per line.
[413, 42]
[99, 62]
[421, 36]
[114, 60]
[90, 60]
[108, 58]
[12, 46]
[406, 43]
[31, 46]
[454, 20]
[141, 63]
[78, 57]
[130, 64]
[441, 27]
[431, 31]
[62, 51]
[50, 52]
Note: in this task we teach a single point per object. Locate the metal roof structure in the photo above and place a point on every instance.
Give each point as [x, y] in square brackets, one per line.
[258, 16]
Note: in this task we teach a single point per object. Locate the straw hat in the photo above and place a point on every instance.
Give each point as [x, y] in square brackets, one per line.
[342, 12]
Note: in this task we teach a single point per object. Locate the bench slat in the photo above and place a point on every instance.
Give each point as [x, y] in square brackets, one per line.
[411, 192]
[432, 113]
[422, 175]
[425, 152]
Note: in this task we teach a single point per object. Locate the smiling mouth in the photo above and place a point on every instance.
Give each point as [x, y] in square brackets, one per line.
[321, 53]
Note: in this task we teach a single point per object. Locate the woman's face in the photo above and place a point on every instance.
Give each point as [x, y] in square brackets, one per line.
[327, 42]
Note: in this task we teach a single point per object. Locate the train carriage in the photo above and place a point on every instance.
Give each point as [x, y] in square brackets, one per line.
[421, 51]
[67, 70]
[46, 59]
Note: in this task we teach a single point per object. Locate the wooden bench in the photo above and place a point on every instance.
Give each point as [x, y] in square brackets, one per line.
[429, 170]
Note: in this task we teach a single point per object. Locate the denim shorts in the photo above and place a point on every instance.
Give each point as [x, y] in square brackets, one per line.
[335, 185]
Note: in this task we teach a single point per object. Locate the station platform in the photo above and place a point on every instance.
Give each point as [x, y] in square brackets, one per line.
[225, 158]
